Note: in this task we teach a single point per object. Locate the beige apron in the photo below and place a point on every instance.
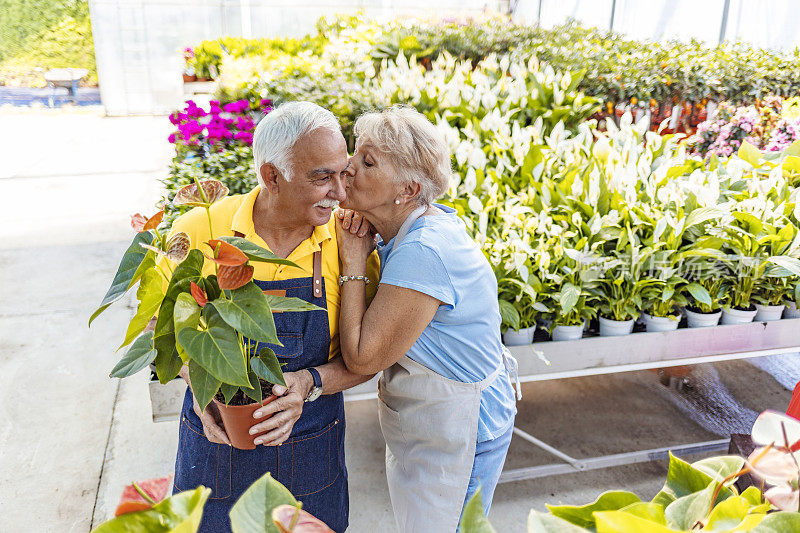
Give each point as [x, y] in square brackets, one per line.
[430, 424]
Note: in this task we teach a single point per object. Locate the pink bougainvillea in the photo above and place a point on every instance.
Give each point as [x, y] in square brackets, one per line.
[220, 127]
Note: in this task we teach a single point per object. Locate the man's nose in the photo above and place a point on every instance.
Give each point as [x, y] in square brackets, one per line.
[338, 189]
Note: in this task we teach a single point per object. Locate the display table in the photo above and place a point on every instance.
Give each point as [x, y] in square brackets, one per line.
[639, 351]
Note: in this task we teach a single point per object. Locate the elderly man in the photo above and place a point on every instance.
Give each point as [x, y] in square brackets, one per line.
[299, 154]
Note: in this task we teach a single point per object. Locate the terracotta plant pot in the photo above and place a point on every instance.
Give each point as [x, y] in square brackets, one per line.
[238, 419]
[189, 77]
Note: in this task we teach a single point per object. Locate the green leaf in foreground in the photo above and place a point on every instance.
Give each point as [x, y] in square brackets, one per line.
[216, 348]
[149, 294]
[779, 522]
[682, 480]
[282, 303]
[139, 355]
[180, 513]
[622, 522]
[128, 271]
[509, 314]
[247, 311]
[473, 519]
[583, 515]
[257, 253]
[267, 367]
[546, 523]
[185, 314]
[252, 513]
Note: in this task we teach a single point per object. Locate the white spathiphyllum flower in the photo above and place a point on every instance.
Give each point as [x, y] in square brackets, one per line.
[476, 158]
[470, 180]
[462, 152]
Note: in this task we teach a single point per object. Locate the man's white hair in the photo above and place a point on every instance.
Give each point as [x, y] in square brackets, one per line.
[278, 132]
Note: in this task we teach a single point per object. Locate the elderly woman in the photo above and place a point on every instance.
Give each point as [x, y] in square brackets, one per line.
[447, 406]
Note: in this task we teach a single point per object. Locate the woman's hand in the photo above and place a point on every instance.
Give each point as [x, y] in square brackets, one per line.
[356, 238]
[284, 411]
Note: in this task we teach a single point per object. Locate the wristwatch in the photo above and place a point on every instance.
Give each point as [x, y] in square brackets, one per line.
[316, 390]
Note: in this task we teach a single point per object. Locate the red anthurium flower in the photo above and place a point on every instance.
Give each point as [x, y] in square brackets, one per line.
[198, 294]
[233, 277]
[226, 254]
[154, 221]
[141, 223]
[290, 518]
[177, 247]
[190, 194]
[138, 221]
[143, 495]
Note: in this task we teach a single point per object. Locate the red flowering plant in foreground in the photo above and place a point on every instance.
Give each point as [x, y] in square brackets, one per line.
[210, 322]
[222, 126]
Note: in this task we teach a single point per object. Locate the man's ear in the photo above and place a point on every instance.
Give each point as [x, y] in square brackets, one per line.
[410, 191]
[269, 177]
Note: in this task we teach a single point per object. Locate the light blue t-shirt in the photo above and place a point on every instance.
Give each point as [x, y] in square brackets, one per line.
[437, 257]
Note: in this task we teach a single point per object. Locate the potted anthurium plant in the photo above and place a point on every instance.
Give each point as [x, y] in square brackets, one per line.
[569, 279]
[755, 260]
[213, 323]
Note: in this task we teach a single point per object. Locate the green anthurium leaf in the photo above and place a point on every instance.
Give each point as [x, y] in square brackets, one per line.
[569, 297]
[282, 303]
[204, 385]
[682, 479]
[185, 314]
[728, 514]
[180, 513]
[228, 391]
[247, 311]
[267, 367]
[720, 467]
[254, 390]
[647, 510]
[509, 314]
[216, 348]
[749, 153]
[150, 293]
[252, 512]
[779, 522]
[684, 512]
[473, 518]
[583, 515]
[539, 522]
[753, 496]
[168, 363]
[790, 264]
[699, 293]
[211, 286]
[127, 271]
[622, 522]
[139, 355]
[257, 253]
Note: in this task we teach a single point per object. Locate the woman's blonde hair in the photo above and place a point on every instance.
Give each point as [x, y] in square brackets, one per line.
[415, 146]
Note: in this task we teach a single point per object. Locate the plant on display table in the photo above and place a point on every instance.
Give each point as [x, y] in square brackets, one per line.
[214, 323]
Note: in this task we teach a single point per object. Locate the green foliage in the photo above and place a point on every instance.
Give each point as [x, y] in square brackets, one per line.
[252, 512]
[180, 513]
[473, 518]
[45, 34]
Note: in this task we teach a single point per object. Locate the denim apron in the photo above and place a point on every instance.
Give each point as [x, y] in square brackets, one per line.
[310, 463]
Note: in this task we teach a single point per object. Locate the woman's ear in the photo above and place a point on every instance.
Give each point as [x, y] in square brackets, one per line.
[409, 192]
[269, 177]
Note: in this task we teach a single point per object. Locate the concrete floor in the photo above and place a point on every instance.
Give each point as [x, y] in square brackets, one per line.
[71, 438]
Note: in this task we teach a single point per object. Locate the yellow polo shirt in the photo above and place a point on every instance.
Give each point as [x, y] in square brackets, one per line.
[235, 213]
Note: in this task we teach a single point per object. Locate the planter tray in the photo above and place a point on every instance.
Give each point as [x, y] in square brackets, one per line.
[167, 400]
[639, 351]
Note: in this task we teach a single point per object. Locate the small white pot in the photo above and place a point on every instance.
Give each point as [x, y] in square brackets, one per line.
[702, 320]
[518, 338]
[660, 323]
[768, 313]
[737, 316]
[613, 328]
[567, 333]
[791, 310]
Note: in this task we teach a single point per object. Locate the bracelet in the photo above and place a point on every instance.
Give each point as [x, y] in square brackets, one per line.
[342, 279]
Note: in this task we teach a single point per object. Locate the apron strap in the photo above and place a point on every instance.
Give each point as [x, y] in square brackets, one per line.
[317, 268]
[318, 274]
[512, 367]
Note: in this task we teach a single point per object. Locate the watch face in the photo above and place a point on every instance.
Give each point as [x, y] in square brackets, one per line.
[315, 393]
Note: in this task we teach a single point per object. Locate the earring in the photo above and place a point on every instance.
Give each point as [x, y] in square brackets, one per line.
[397, 202]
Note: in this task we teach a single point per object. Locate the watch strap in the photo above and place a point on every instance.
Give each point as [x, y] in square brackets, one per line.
[316, 376]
